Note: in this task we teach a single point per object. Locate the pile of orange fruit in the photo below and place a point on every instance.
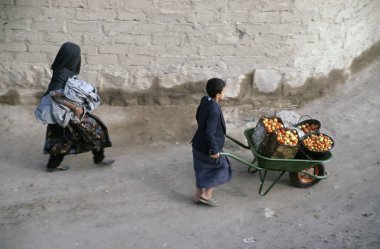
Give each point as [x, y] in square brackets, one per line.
[272, 124]
[287, 137]
[307, 128]
[318, 143]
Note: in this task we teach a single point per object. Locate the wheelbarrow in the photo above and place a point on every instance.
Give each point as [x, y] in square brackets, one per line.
[303, 173]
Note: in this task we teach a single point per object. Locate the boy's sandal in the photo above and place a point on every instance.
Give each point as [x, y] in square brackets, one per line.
[58, 168]
[212, 201]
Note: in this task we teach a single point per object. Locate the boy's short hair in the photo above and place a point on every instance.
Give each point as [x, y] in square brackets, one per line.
[214, 86]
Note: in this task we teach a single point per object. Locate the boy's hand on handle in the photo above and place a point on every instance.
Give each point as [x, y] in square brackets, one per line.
[215, 155]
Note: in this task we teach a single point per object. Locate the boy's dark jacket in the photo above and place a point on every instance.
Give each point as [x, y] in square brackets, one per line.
[209, 137]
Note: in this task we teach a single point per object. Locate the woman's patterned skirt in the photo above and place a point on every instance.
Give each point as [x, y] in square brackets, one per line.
[77, 137]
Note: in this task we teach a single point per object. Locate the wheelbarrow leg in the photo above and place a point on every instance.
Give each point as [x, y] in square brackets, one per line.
[252, 170]
[262, 180]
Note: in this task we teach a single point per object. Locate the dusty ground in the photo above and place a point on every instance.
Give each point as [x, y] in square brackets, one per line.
[144, 199]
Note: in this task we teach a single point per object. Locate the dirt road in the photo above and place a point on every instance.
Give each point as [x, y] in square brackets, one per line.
[144, 199]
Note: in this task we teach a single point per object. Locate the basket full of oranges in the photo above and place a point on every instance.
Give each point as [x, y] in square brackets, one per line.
[309, 125]
[316, 144]
[284, 144]
[264, 131]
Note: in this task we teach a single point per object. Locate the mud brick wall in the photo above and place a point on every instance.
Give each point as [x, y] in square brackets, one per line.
[166, 47]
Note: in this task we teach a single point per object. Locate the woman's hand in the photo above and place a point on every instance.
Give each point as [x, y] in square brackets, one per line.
[78, 111]
[215, 155]
[58, 96]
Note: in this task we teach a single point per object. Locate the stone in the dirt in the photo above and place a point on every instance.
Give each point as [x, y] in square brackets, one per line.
[268, 213]
[249, 240]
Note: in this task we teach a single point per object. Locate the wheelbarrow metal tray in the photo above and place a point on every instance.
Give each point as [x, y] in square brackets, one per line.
[289, 165]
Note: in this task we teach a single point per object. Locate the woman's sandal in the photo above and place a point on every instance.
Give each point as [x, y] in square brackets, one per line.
[212, 201]
[58, 168]
[106, 162]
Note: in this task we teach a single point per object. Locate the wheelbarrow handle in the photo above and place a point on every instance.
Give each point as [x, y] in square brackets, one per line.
[253, 165]
[315, 176]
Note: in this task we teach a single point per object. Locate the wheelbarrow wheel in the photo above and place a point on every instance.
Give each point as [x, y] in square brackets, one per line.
[301, 180]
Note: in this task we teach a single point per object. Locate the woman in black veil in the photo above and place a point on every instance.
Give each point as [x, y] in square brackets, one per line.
[85, 132]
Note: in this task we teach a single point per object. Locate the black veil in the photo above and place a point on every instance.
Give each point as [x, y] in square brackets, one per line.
[66, 64]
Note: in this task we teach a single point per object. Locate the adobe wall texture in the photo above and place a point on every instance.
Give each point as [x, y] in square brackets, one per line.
[161, 51]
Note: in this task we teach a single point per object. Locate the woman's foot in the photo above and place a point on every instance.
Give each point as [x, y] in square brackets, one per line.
[106, 162]
[58, 168]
